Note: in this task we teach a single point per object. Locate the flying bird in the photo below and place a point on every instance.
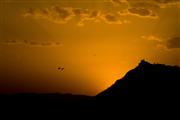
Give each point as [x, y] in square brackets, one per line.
[61, 68]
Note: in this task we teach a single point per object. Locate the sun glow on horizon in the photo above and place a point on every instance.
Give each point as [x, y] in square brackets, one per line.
[96, 42]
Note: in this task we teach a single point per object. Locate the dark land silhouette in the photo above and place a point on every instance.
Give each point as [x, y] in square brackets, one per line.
[147, 80]
[147, 86]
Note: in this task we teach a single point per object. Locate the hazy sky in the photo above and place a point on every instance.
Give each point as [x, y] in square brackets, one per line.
[95, 41]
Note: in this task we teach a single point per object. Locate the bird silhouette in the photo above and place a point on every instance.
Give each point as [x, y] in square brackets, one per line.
[61, 68]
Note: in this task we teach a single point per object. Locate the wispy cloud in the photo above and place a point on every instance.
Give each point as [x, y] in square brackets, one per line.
[33, 43]
[168, 43]
[152, 38]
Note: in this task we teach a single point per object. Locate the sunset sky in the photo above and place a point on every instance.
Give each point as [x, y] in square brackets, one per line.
[95, 41]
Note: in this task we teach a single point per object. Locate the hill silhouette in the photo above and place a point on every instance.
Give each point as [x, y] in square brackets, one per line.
[146, 80]
[157, 82]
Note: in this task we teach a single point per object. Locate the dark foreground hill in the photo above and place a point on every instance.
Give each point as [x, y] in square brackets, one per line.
[148, 89]
[147, 80]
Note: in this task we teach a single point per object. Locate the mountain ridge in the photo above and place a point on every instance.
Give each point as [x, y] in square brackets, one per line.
[146, 80]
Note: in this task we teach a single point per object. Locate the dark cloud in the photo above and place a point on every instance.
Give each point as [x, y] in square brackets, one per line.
[46, 44]
[43, 43]
[81, 12]
[167, 1]
[173, 43]
[145, 8]
[11, 41]
[62, 15]
[139, 8]
[153, 5]
[59, 14]
[86, 15]
[55, 14]
[111, 19]
[159, 2]
[94, 14]
[33, 43]
[140, 11]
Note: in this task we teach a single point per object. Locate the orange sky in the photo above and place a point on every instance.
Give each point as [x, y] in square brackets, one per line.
[96, 42]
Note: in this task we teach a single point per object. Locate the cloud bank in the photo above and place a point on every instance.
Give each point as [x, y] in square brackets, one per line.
[62, 15]
[139, 8]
